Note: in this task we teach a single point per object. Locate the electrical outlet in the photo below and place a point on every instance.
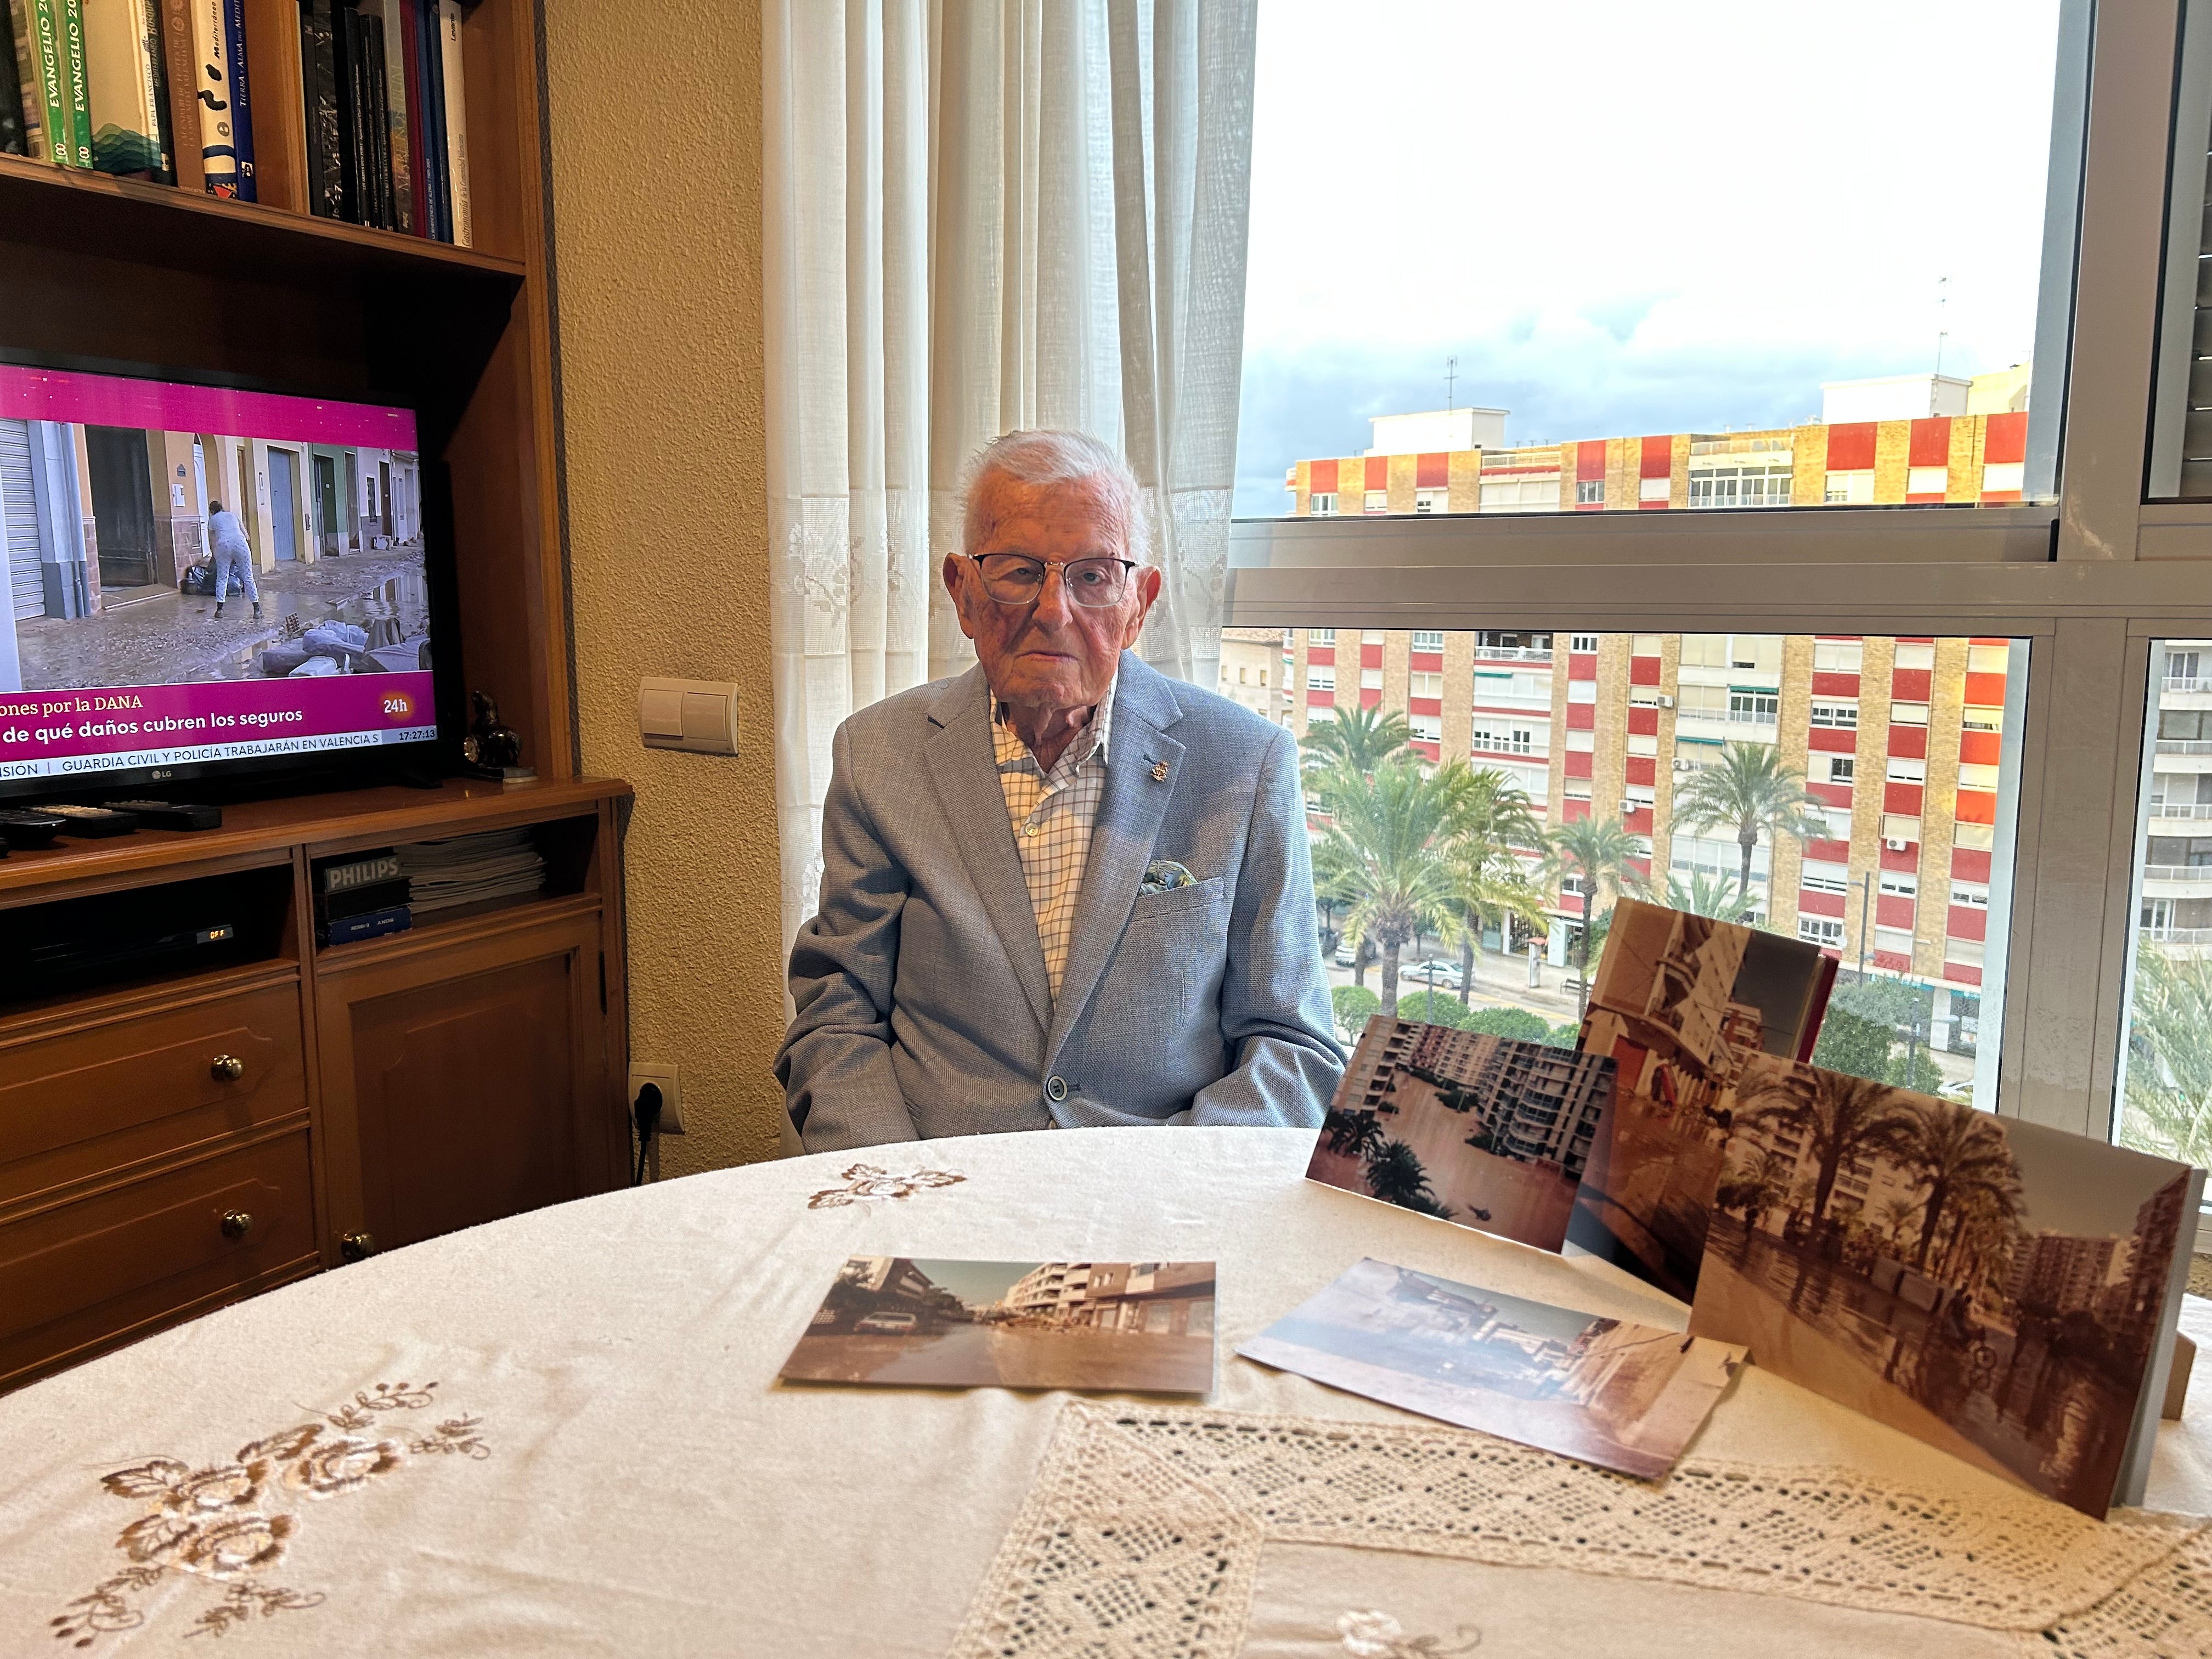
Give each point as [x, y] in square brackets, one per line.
[667, 1077]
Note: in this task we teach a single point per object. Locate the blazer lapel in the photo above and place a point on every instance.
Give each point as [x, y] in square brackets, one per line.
[966, 773]
[1142, 765]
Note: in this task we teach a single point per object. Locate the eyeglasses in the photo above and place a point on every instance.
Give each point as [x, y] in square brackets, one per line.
[1017, 579]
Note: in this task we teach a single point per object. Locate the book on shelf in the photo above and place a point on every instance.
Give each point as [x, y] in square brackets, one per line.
[461, 229]
[173, 39]
[126, 87]
[217, 108]
[17, 135]
[229, 17]
[68, 63]
[386, 146]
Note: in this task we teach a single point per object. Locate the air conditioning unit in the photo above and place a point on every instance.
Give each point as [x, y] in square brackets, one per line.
[1897, 846]
[1682, 766]
[1628, 807]
[1664, 701]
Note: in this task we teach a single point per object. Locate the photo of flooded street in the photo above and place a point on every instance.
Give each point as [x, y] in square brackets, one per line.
[1141, 1326]
[1994, 1288]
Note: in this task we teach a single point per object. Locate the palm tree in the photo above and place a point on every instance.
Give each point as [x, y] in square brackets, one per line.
[1959, 1154]
[1717, 896]
[1596, 852]
[1352, 1134]
[2169, 1088]
[1386, 851]
[1358, 740]
[1750, 790]
[1842, 1118]
[1394, 1174]
[1898, 1214]
[1492, 820]
[1758, 1185]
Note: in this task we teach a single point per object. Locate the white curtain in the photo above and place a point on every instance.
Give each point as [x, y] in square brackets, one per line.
[983, 215]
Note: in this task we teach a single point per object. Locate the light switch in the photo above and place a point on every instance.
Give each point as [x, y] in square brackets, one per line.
[699, 716]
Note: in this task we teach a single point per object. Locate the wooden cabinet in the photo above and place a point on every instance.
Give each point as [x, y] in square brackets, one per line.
[472, 1080]
[169, 1144]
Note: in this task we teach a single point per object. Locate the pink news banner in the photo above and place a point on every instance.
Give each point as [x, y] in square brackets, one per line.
[49, 733]
[44, 734]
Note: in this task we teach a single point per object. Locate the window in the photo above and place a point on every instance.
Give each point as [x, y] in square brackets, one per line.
[1893, 941]
[1840, 767]
[1900, 883]
[1589, 492]
[1320, 677]
[1823, 931]
[1740, 486]
[1974, 718]
[1423, 683]
[1834, 714]
[1431, 501]
[1704, 650]
[1908, 713]
[1702, 702]
[1904, 769]
[1321, 636]
[1753, 707]
[1819, 877]
[1377, 501]
[1373, 636]
[1428, 639]
[1322, 503]
[1837, 656]
[1975, 894]
[1370, 680]
[1508, 740]
[1583, 644]
[1426, 728]
[1918, 656]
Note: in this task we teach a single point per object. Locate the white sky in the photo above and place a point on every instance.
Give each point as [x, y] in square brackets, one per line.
[1623, 221]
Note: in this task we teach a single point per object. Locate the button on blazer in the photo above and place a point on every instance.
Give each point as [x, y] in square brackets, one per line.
[924, 1008]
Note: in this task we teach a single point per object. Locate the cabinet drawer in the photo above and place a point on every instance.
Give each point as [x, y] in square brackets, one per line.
[126, 1260]
[114, 1094]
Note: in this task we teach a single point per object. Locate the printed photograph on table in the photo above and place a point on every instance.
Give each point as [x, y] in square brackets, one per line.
[900, 1321]
[1484, 1131]
[2004, 1291]
[1622, 1395]
[1681, 1004]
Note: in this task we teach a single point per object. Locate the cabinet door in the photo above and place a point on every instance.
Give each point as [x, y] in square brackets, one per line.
[468, 1082]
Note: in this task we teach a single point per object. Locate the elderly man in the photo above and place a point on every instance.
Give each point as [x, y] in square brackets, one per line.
[1060, 889]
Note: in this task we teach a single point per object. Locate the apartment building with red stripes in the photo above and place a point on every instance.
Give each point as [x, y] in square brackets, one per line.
[1900, 739]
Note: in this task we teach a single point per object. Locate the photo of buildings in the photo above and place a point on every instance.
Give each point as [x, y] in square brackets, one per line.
[101, 526]
[1992, 1287]
[1145, 1326]
[1680, 1003]
[1622, 1395]
[1484, 1131]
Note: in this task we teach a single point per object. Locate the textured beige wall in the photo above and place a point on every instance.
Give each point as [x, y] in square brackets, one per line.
[658, 240]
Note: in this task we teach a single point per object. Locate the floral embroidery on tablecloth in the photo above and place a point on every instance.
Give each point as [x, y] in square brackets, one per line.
[211, 1522]
[865, 1180]
[1373, 1635]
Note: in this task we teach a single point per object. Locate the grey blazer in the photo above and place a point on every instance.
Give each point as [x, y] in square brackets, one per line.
[923, 1006]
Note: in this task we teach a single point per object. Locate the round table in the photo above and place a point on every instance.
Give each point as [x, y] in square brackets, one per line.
[585, 1450]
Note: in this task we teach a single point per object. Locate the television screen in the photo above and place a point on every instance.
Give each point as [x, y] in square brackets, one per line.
[198, 576]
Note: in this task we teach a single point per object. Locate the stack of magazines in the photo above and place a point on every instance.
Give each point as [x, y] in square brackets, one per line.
[471, 869]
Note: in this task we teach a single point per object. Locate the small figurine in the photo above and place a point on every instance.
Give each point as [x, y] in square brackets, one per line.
[488, 744]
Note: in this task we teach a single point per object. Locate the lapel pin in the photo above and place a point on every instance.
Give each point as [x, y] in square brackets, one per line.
[1160, 771]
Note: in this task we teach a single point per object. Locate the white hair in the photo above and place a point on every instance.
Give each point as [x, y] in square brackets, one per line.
[1052, 457]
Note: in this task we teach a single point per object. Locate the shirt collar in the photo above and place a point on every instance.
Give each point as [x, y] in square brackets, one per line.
[1095, 732]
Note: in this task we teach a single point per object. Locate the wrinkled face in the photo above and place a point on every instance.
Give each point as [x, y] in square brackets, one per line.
[1053, 654]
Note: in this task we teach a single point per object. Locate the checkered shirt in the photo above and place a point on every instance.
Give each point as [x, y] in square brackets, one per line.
[1053, 814]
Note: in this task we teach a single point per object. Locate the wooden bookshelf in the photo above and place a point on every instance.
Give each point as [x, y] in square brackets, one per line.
[399, 1087]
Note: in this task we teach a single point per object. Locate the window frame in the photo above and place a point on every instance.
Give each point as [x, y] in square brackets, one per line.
[2087, 581]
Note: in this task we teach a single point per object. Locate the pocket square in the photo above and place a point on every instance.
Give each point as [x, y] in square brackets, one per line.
[1161, 875]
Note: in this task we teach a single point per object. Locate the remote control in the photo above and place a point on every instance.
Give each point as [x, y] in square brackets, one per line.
[166, 815]
[28, 829]
[91, 821]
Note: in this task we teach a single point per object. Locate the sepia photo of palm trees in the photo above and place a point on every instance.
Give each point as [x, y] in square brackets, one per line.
[1682, 1003]
[1999, 1289]
[1484, 1131]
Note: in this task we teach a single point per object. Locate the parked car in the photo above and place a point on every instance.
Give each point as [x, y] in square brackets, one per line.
[888, 1322]
[1344, 956]
[1439, 973]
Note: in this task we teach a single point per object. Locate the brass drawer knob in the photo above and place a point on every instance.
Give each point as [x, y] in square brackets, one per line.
[236, 1224]
[229, 1067]
[356, 1247]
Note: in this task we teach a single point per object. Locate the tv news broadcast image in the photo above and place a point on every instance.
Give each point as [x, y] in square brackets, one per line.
[197, 576]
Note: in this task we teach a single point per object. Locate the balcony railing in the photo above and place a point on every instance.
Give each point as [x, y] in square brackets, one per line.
[2179, 809]
[2185, 746]
[1510, 654]
[2186, 683]
[1479, 747]
[2179, 935]
[2178, 873]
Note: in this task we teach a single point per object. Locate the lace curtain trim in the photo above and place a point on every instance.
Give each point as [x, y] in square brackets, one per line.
[1142, 1533]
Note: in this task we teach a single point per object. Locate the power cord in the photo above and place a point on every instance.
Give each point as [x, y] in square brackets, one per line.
[646, 1110]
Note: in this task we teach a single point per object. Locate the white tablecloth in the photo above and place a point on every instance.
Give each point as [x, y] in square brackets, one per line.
[607, 1464]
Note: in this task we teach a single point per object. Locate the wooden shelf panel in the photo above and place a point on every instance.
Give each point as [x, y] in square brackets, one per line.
[329, 825]
[442, 929]
[92, 213]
